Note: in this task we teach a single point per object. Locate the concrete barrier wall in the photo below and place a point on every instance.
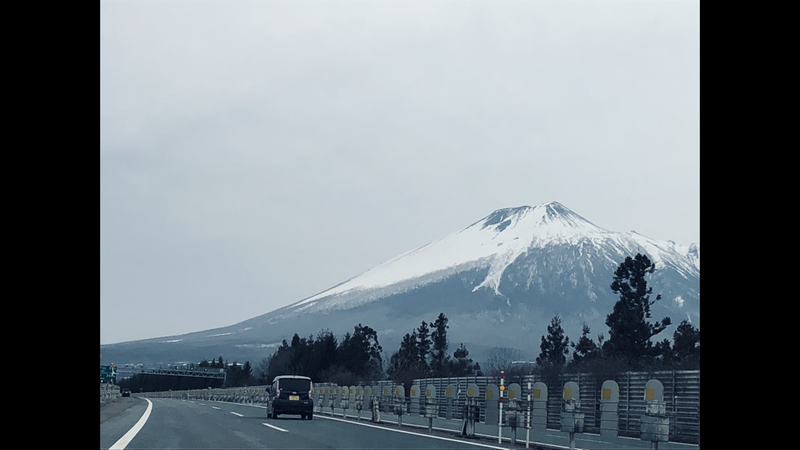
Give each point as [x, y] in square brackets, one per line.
[249, 395]
[109, 392]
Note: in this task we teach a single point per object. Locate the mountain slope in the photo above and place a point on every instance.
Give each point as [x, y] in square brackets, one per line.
[499, 280]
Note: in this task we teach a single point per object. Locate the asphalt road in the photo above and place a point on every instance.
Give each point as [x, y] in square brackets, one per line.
[191, 424]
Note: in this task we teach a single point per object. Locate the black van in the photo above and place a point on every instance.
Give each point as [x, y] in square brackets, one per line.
[291, 394]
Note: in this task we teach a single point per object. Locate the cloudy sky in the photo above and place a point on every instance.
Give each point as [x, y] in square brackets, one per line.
[254, 153]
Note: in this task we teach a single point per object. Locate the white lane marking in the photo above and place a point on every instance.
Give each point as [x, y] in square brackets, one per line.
[126, 439]
[215, 407]
[415, 434]
[273, 426]
[236, 414]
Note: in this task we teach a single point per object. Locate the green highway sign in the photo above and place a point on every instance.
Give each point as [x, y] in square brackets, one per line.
[108, 373]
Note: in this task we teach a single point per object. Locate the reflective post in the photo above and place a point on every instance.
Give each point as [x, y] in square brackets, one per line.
[500, 418]
[528, 423]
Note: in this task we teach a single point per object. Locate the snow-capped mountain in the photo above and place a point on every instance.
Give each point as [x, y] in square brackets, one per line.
[497, 241]
[499, 281]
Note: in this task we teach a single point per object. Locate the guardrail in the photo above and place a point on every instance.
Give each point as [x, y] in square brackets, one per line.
[248, 395]
[681, 391]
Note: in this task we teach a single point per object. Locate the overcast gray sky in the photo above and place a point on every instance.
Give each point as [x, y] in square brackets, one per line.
[254, 153]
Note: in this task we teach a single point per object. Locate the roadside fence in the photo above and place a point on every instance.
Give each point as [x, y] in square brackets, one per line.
[678, 400]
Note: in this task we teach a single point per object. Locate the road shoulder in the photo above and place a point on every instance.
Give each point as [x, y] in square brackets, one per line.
[117, 406]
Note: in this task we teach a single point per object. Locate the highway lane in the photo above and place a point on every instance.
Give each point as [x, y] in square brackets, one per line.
[116, 419]
[192, 424]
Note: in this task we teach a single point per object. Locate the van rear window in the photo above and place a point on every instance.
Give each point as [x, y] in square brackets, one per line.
[294, 385]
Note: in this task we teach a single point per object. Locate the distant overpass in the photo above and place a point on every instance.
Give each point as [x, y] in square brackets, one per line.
[214, 374]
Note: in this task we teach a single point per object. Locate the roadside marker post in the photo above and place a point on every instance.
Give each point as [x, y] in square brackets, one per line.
[500, 418]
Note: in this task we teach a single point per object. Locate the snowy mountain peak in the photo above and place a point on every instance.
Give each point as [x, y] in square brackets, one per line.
[548, 219]
[543, 223]
[495, 241]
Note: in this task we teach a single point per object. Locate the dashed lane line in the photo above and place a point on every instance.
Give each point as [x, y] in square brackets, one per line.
[273, 426]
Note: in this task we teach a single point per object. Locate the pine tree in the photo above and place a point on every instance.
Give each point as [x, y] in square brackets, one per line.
[554, 348]
[405, 359]
[361, 353]
[300, 354]
[687, 346]
[280, 362]
[247, 373]
[325, 353]
[423, 346]
[462, 366]
[585, 350]
[629, 332]
[439, 358]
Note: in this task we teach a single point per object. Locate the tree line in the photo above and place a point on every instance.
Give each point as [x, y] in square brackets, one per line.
[357, 356]
[235, 375]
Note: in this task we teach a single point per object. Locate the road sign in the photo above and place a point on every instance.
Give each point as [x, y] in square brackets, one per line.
[108, 373]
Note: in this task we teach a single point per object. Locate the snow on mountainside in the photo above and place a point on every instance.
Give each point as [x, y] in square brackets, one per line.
[505, 275]
[496, 241]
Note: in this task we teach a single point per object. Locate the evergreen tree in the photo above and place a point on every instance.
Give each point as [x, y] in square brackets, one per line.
[361, 353]
[423, 347]
[325, 354]
[406, 359]
[439, 358]
[664, 355]
[462, 365]
[629, 332]
[300, 354]
[585, 350]
[247, 372]
[687, 346]
[280, 362]
[554, 348]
